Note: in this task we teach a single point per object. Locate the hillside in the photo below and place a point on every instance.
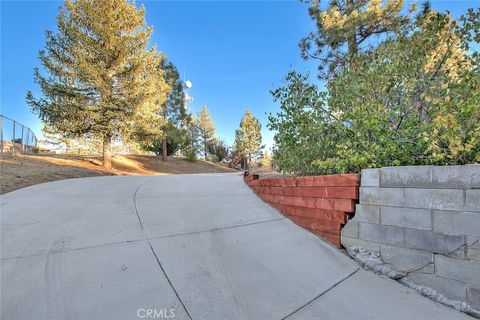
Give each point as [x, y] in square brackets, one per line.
[26, 170]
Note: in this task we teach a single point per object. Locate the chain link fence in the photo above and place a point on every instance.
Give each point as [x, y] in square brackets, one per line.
[16, 138]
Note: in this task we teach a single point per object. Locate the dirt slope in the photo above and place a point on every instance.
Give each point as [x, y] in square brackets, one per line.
[26, 170]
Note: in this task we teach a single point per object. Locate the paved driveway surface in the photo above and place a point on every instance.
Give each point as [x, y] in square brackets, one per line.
[189, 246]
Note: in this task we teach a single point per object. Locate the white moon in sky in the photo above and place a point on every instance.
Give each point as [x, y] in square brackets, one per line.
[188, 84]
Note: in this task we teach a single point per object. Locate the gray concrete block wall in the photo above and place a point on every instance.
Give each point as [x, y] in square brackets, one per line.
[425, 223]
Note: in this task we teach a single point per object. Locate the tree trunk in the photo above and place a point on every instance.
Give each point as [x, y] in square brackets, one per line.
[205, 147]
[421, 114]
[352, 40]
[352, 46]
[164, 129]
[164, 149]
[107, 152]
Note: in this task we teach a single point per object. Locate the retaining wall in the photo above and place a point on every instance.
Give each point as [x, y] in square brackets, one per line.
[425, 222]
[320, 204]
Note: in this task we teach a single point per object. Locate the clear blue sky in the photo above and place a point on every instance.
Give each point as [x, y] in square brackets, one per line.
[233, 52]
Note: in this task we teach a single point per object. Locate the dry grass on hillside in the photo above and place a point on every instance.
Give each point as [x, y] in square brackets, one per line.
[26, 170]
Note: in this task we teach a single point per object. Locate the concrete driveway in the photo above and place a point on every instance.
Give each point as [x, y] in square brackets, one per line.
[184, 247]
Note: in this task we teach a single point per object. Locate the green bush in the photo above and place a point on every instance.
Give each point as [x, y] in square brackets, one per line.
[190, 153]
[213, 158]
[217, 150]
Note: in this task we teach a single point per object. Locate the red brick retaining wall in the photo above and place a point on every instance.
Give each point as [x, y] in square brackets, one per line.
[320, 204]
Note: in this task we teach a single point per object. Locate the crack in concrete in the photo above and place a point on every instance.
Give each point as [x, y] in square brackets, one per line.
[407, 273]
[320, 295]
[216, 229]
[73, 249]
[135, 202]
[240, 195]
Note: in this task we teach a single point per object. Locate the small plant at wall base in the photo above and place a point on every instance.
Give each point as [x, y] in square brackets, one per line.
[412, 100]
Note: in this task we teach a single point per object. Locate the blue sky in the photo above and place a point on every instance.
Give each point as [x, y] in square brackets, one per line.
[234, 52]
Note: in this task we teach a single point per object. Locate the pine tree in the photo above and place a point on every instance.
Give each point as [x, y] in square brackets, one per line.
[192, 146]
[54, 138]
[346, 27]
[206, 128]
[248, 139]
[174, 110]
[102, 78]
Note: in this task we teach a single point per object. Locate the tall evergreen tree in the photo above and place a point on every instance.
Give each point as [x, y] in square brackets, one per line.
[190, 150]
[248, 139]
[54, 138]
[346, 27]
[174, 111]
[102, 80]
[206, 129]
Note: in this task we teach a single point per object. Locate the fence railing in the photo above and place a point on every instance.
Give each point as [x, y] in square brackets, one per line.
[15, 137]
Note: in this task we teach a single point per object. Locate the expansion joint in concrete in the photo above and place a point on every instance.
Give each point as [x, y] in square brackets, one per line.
[155, 254]
[320, 295]
[170, 282]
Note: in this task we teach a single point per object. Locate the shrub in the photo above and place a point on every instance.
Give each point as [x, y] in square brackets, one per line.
[190, 153]
[213, 158]
[302, 127]
[217, 149]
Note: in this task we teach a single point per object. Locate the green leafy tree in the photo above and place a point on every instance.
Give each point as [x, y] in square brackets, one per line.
[102, 80]
[304, 130]
[248, 139]
[206, 129]
[411, 101]
[347, 27]
[454, 132]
